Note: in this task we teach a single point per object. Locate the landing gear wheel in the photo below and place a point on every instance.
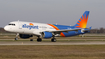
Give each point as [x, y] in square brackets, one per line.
[16, 39]
[31, 39]
[39, 40]
[53, 40]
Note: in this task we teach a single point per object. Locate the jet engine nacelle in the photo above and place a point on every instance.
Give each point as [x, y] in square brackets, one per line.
[84, 31]
[81, 31]
[25, 36]
[47, 35]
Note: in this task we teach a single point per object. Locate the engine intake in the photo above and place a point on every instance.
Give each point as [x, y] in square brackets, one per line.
[47, 34]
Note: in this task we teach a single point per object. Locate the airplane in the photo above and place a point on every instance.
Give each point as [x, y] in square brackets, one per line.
[41, 30]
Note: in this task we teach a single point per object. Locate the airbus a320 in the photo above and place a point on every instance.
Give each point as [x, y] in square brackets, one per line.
[29, 29]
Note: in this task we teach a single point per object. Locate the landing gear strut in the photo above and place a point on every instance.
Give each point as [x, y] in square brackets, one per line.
[16, 36]
[39, 39]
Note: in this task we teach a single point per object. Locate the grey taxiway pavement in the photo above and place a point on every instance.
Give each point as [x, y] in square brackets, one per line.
[49, 43]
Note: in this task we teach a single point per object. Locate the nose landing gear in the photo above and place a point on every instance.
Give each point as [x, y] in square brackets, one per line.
[16, 36]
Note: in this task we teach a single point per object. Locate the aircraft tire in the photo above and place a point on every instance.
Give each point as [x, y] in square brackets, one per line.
[16, 39]
[53, 40]
[39, 40]
[31, 39]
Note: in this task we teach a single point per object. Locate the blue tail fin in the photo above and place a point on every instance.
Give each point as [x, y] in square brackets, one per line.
[82, 22]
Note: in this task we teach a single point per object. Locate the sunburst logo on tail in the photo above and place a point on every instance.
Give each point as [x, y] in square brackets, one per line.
[82, 22]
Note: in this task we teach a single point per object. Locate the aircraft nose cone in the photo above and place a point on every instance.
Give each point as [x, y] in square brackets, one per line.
[6, 28]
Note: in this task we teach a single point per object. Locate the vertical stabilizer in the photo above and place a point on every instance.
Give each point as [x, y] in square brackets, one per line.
[82, 22]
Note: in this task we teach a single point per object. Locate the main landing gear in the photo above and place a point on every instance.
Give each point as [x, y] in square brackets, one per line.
[53, 39]
[39, 39]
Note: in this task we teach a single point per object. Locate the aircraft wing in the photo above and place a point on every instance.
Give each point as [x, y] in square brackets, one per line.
[38, 33]
[66, 30]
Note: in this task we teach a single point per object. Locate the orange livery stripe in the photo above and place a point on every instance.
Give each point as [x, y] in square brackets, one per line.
[57, 29]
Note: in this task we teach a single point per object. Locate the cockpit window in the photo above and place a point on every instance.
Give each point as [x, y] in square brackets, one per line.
[12, 24]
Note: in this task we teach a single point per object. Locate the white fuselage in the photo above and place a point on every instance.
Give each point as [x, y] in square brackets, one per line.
[28, 27]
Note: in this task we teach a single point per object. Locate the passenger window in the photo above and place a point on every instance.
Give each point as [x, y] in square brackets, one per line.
[9, 24]
[12, 24]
